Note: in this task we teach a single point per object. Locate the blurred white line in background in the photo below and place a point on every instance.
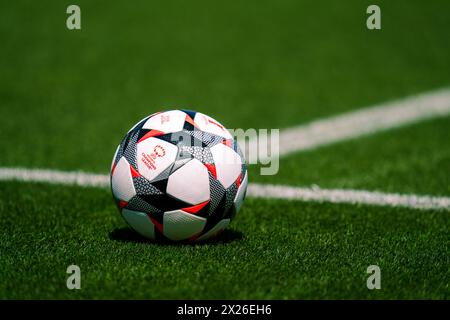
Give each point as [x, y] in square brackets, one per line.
[317, 194]
[55, 177]
[267, 191]
[363, 121]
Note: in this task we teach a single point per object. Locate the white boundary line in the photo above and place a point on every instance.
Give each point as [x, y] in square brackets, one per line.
[362, 122]
[349, 196]
[254, 190]
[78, 178]
[317, 133]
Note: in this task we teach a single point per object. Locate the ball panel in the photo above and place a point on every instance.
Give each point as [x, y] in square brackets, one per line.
[122, 181]
[164, 202]
[154, 156]
[206, 138]
[220, 226]
[217, 192]
[190, 183]
[179, 225]
[200, 153]
[114, 159]
[230, 196]
[240, 195]
[228, 164]
[140, 123]
[208, 124]
[143, 186]
[129, 152]
[138, 204]
[167, 122]
[140, 222]
[179, 163]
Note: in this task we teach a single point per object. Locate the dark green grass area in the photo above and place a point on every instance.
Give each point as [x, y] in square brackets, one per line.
[274, 249]
[413, 159]
[68, 97]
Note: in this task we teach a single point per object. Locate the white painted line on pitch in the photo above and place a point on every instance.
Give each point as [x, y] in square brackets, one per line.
[364, 121]
[254, 190]
[55, 176]
[348, 196]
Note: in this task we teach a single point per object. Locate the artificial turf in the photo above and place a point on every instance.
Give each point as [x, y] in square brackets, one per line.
[68, 97]
[414, 159]
[274, 249]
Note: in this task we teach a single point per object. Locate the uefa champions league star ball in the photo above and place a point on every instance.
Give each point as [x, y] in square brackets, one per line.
[178, 175]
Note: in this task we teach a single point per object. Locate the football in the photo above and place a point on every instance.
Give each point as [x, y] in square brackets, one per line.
[178, 175]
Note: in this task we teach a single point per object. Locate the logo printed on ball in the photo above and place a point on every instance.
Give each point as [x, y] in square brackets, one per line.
[158, 151]
[164, 119]
[208, 121]
[149, 159]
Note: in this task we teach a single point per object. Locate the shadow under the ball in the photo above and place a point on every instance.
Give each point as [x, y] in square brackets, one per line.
[126, 234]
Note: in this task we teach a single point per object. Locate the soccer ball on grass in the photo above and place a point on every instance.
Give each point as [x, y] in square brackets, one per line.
[178, 175]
